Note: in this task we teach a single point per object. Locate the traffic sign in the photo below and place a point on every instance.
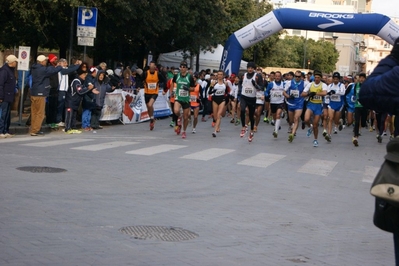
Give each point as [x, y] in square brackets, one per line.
[85, 41]
[23, 58]
[87, 22]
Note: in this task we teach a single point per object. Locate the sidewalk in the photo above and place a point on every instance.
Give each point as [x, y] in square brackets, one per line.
[20, 128]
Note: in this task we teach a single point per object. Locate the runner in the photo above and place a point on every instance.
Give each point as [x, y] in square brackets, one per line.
[195, 101]
[292, 93]
[250, 84]
[315, 90]
[360, 111]
[184, 84]
[336, 91]
[260, 102]
[267, 99]
[151, 79]
[233, 99]
[275, 89]
[350, 101]
[326, 101]
[218, 90]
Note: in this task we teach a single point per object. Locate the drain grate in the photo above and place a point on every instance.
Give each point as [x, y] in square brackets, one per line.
[163, 233]
[41, 169]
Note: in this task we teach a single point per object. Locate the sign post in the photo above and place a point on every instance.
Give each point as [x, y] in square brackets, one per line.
[86, 27]
[23, 64]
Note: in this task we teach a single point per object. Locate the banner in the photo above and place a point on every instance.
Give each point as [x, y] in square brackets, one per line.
[112, 108]
[134, 108]
[161, 105]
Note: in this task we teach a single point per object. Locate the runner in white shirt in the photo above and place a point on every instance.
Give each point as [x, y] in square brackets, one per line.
[275, 90]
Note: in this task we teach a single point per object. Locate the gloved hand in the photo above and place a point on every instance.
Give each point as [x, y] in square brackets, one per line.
[395, 49]
[331, 92]
[292, 97]
[312, 94]
[255, 85]
[185, 87]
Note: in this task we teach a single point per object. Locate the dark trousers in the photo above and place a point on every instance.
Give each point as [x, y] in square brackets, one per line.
[51, 108]
[251, 104]
[360, 119]
[70, 119]
[61, 107]
[396, 247]
[205, 106]
[95, 117]
[5, 117]
[396, 125]
[381, 117]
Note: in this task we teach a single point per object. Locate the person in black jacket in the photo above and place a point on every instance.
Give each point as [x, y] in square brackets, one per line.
[7, 94]
[73, 99]
[380, 93]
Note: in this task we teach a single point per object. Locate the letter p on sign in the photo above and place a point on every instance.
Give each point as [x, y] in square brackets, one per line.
[87, 14]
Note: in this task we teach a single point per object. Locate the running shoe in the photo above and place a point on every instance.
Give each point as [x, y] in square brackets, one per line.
[282, 114]
[275, 134]
[324, 133]
[315, 143]
[177, 130]
[237, 122]
[379, 139]
[335, 130]
[242, 134]
[203, 119]
[213, 124]
[214, 134]
[310, 131]
[255, 128]
[75, 131]
[355, 141]
[232, 121]
[328, 137]
[250, 136]
[384, 133]
[272, 123]
[390, 137]
[172, 124]
[152, 123]
[265, 120]
[183, 135]
[193, 131]
[61, 124]
[340, 127]
[290, 137]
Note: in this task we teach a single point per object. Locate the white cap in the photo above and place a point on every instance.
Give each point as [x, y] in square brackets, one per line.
[41, 58]
[11, 58]
[207, 76]
[110, 72]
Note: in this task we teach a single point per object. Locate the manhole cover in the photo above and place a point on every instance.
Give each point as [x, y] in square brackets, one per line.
[164, 233]
[41, 169]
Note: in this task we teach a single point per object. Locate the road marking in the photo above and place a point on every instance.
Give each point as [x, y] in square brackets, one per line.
[56, 142]
[370, 173]
[208, 154]
[262, 160]
[18, 139]
[104, 146]
[156, 149]
[318, 167]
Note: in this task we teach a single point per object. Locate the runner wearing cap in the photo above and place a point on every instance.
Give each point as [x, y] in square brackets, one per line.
[336, 92]
[315, 91]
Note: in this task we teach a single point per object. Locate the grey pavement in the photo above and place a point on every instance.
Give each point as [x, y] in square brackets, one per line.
[268, 202]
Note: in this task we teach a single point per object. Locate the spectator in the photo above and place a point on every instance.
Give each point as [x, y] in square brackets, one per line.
[103, 87]
[88, 100]
[7, 94]
[25, 75]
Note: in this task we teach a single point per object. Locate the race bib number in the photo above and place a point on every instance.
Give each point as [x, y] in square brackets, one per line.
[193, 98]
[152, 86]
[335, 98]
[219, 93]
[248, 90]
[295, 93]
[317, 98]
[277, 94]
[183, 93]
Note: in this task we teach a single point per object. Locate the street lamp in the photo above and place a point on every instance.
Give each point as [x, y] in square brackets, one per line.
[335, 37]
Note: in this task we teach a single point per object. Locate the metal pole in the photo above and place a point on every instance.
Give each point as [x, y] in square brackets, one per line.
[21, 100]
[305, 48]
[84, 54]
[71, 36]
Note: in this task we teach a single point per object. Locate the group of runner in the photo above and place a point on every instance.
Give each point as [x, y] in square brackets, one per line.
[311, 97]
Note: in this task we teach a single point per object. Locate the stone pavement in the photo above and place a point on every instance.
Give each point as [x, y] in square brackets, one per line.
[262, 203]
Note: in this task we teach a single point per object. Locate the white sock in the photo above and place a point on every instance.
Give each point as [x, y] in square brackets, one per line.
[277, 125]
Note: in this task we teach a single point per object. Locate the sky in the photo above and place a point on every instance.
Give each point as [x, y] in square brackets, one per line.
[385, 7]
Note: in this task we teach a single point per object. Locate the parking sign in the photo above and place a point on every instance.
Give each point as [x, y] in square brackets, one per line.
[87, 22]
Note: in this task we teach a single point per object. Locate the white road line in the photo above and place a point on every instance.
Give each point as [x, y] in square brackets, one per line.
[262, 160]
[156, 149]
[369, 173]
[208, 154]
[104, 146]
[56, 142]
[318, 167]
[20, 139]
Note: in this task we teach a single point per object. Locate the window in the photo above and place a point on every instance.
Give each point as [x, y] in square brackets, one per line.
[387, 45]
[296, 32]
[380, 54]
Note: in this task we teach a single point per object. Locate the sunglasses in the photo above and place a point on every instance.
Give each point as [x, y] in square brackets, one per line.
[298, 76]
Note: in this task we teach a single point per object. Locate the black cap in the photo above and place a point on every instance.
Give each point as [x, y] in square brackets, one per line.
[183, 63]
[317, 73]
[251, 64]
[336, 75]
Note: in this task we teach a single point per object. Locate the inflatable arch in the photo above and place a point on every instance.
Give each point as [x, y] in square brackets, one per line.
[289, 18]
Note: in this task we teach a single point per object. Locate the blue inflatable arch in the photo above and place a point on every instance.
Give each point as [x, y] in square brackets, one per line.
[288, 18]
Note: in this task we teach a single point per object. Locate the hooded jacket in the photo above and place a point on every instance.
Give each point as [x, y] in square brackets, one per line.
[380, 90]
[41, 79]
[75, 93]
[103, 87]
[7, 83]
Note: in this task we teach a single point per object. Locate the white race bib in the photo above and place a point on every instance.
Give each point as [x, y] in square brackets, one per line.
[277, 94]
[248, 90]
[183, 93]
[193, 98]
[219, 92]
[295, 93]
[335, 98]
[152, 86]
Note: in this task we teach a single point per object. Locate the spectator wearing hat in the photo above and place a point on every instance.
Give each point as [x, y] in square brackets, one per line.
[41, 74]
[7, 94]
